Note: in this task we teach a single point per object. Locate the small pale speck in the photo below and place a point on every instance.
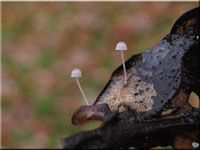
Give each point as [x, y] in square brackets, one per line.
[195, 144]
[122, 108]
[193, 100]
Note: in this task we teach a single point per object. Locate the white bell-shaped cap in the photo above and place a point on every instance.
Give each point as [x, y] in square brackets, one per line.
[121, 46]
[76, 73]
[195, 145]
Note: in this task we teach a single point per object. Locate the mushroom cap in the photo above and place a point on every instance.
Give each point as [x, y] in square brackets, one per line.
[121, 46]
[76, 73]
[195, 144]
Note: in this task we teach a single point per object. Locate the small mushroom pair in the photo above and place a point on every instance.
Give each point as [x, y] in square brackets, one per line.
[76, 73]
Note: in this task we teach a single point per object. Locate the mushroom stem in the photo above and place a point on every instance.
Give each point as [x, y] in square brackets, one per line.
[84, 97]
[124, 67]
[121, 46]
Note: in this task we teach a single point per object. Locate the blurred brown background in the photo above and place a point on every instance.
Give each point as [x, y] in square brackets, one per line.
[44, 41]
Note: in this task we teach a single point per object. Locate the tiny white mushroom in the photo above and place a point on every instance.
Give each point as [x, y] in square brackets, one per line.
[76, 73]
[121, 46]
[195, 145]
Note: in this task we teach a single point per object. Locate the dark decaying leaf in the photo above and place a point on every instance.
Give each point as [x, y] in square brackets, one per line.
[85, 113]
[159, 79]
